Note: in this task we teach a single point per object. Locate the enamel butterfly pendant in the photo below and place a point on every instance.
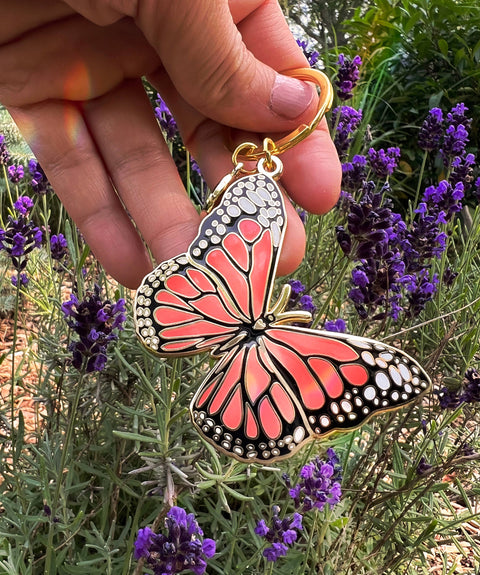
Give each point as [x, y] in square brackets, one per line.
[275, 385]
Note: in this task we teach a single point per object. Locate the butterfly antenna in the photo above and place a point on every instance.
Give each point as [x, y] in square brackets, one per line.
[282, 316]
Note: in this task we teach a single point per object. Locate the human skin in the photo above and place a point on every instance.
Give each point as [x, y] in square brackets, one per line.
[71, 79]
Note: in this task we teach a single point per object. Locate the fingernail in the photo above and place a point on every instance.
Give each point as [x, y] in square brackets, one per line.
[290, 97]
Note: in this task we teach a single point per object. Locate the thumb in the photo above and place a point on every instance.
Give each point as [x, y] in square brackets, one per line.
[205, 57]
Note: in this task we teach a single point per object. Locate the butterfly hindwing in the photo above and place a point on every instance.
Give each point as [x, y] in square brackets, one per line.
[245, 410]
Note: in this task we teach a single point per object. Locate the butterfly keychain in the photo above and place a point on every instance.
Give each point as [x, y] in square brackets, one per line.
[275, 385]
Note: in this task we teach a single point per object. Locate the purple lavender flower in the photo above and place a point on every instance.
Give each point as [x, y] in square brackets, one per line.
[195, 167]
[467, 450]
[443, 198]
[421, 288]
[39, 180]
[354, 173]
[448, 398]
[374, 240]
[306, 303]
[319, 484]
[347, 76]
[22, 278]
[456, 134]
[457, 116]
[431, 131]
[297, 288]
[423, 466]
[360, 277]
[18, 239]
[298, 298]
[449, 276]
[58, 247]
[143, 543]
[344, 240]
[303, 215]
[23, 205]
[310, 54]
[336, 325]
[96, 322]
[471, 387]
[468, 392]
[345, 121]
[280, 535]
[454, 143]
[15, 173]
[383, 163]
[462, 171]
[4, 154]
[166, 120]
[368, 222]
[178, 549]
[393, 261]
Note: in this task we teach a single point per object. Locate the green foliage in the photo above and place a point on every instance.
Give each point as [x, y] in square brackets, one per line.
[320, 20]
[109, 452]
[417, 55]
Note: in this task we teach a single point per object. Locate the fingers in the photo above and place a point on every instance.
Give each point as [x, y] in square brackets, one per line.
[72, 59]
[312, 172]
[142, 170]
[60, 140]
[209, 64]
[293, 248]
[116, 140]
[275, 44]
[22, 15]
[103, 12]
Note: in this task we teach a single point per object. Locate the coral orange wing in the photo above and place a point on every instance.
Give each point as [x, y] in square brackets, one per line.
[216, 291]
[265, 401]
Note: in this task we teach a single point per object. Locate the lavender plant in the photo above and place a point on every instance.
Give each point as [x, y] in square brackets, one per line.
[99, 474]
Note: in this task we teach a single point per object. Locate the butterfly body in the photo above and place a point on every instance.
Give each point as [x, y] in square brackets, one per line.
[275, 386]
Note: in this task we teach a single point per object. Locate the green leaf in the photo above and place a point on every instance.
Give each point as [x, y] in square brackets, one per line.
[19, 441]
[237, 494]
[339, 523]
[443, 47]
[137, 437]
[435, 99]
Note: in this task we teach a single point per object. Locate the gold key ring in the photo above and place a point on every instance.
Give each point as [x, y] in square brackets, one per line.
[325, 100]
[250, 152]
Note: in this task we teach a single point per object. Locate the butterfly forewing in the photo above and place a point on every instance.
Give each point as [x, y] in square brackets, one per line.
[218, 289]
[239, 243]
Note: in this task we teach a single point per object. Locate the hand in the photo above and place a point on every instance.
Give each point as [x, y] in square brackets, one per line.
[71, 78]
